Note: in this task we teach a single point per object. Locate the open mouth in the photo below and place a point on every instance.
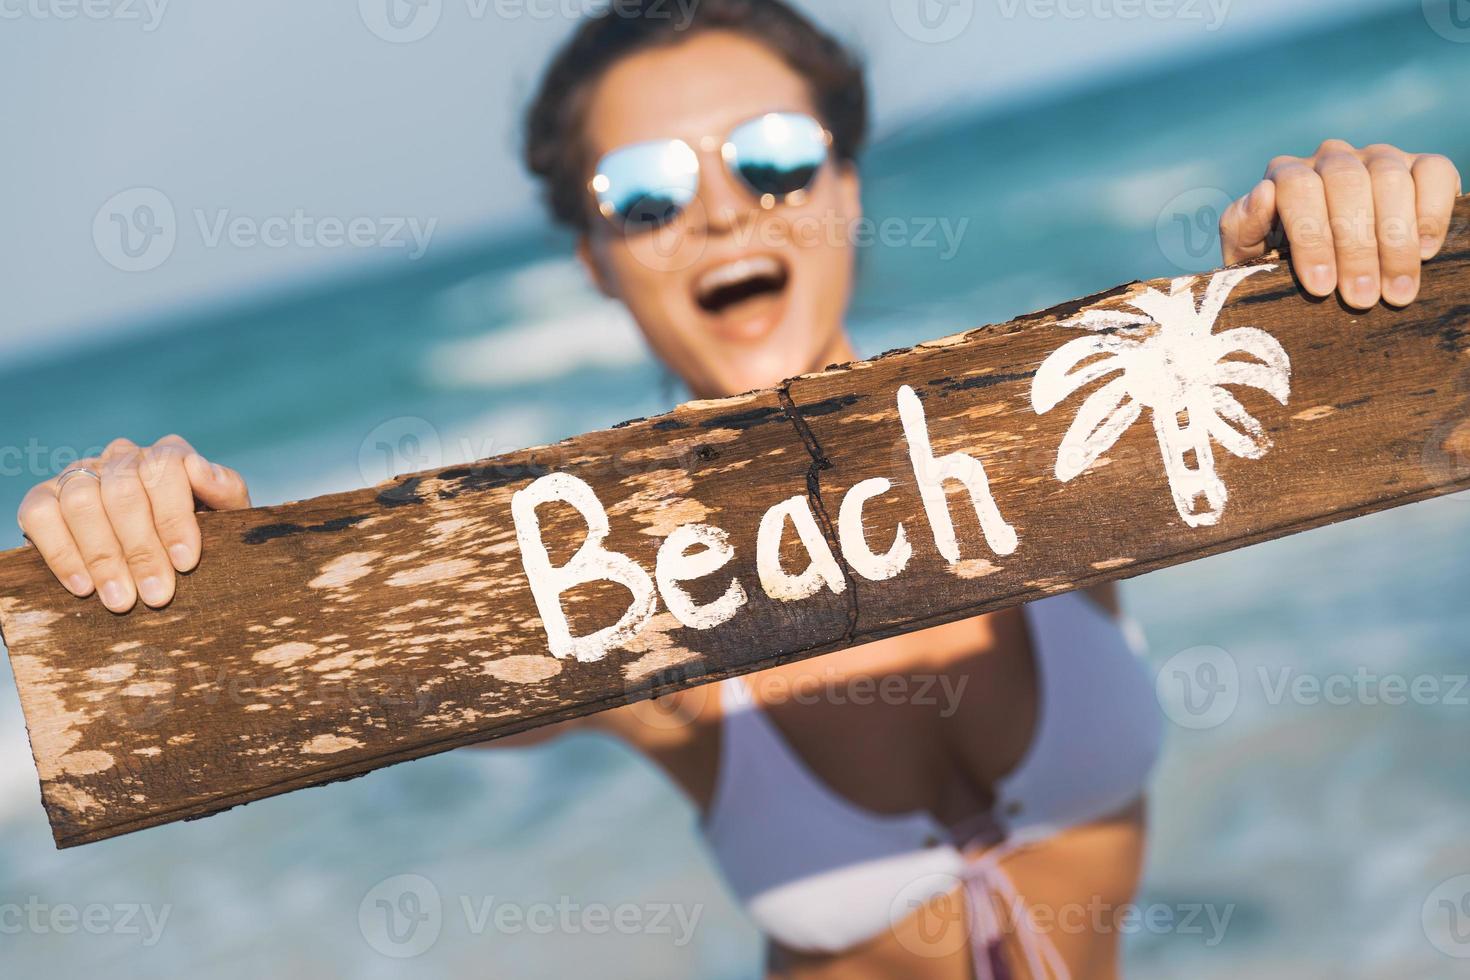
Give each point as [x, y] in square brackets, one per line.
[741, 285]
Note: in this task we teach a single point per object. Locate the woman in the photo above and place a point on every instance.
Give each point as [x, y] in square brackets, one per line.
[704, 164]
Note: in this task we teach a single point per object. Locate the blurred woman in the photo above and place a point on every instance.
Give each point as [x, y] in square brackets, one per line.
[999, 832]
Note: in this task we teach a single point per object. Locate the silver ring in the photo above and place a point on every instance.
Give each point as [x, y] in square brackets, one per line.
[75, 471]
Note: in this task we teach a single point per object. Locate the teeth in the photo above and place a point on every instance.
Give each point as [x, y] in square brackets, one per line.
[741, 270]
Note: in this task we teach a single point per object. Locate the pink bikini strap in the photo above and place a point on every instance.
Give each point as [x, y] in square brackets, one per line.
[985, 883]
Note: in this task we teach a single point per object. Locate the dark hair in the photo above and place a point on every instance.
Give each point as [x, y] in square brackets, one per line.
[555, 150]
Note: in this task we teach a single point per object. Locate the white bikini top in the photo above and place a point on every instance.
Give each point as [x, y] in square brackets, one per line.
[820, 874]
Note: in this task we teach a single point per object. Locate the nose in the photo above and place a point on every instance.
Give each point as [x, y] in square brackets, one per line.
[724, 202]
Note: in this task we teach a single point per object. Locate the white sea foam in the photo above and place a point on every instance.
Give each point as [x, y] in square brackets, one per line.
[601, 336]
[494, 433]
[1135, 199]
[1131, 199]
[550, 282]
[1409, 91]
[557, 326]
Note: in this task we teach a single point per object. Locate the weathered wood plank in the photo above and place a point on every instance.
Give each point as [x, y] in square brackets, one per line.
[320, 640]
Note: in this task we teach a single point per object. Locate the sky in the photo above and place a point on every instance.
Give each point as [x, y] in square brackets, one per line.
[166, 155]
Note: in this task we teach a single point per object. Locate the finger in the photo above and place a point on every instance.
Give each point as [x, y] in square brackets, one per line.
[1302, 207]
[171, 496]
[1436, 185]
[128, 508]
[1246, 225]
[1353, 219]
[41, 521]
[86, 518]
[217, 487]
[1397, 224]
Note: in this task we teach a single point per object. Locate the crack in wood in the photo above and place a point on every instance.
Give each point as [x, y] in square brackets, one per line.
[819, 463]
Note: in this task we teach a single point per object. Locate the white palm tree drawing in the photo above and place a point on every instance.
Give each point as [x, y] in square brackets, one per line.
[1169, 360]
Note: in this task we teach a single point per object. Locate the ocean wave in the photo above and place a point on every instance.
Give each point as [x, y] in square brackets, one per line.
[1131, 199]
[600, 336]
[550, 323]
[1406, 92]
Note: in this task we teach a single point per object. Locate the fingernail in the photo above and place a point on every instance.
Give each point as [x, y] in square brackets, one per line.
[1427, 246]
[79, 584]
[182, 556]
[1402, 287]
[152, 590]
[1361, 293]
[217, 471]
[1321, 276]
[114, 596]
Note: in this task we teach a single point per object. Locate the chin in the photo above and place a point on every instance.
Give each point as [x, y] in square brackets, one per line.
[765, 367]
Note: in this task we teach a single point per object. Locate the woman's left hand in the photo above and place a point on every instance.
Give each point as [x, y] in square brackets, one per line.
[1357, 221]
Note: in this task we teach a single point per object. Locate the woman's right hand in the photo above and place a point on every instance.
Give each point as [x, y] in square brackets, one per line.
[126, 525]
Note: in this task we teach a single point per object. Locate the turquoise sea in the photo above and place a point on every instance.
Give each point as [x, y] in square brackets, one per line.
[1330, 830]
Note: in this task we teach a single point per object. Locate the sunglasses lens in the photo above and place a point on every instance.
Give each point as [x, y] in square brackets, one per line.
[646, 185]
[778, 153]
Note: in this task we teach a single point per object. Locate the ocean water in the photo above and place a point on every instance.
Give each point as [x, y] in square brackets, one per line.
[1294, 836]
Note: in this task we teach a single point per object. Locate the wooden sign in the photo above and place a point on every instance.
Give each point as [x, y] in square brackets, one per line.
[1150, 425]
